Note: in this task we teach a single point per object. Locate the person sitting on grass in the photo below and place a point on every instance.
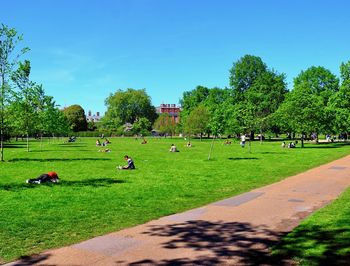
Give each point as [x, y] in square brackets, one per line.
[107, 141]
[283, 145]
[104, 150]
[173, 148]
[291, 145]
[227, 142]
[98, 143]
[144, 141]
[129, 166]
[50, 177]
[188, 145]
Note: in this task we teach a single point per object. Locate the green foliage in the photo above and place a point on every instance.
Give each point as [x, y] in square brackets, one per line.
[127, 107]
[165, 124]
[91, 201]
[244, 73]
[75, 115]
[339, 103]
[319, 81]
[302, 112]
[142, 126]
[197, 121]
[9, 55]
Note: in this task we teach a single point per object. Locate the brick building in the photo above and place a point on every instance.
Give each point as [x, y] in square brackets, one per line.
[172, 110]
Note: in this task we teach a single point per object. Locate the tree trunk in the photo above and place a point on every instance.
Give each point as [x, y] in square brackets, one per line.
[250, 146]
[211, 148]
[302, 140]
[27, 142]
[201, 136]
[41, 142]
[261, 136]
[2, 107]
[251, 137]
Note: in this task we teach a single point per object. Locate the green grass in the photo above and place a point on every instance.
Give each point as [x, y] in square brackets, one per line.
[93, 198]
[322, 239]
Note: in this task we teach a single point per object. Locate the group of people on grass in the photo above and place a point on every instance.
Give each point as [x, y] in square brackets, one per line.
[290, 145]
[53, 176]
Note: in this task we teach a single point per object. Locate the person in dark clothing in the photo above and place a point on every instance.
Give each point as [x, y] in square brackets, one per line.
[129, 166]
[51, 177]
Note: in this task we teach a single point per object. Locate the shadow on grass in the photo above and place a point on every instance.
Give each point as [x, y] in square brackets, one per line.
[93, 182]
[331, 246]
[242, 158]
[15, 145]
[57, 159]
[271, 152]
[230, 243]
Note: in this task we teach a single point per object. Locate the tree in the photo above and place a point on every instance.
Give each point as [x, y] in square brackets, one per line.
[302, 111]
[197, 121]
[26, 100]
[264, 97]
[127, 107]
[191, 99]
[9, 56]
[75, 115]
[319, 80]
[257, 92]
[245, 71]
[142, 126]
[339, 103]
[165, 125]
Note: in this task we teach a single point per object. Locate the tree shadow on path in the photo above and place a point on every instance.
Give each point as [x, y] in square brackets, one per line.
[230, 243]
[237, 243]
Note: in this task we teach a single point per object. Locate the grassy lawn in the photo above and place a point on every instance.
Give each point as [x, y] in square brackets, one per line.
[93, 198]
[322, 239]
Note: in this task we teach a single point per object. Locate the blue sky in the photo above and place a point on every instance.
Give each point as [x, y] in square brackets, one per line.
[81, 51]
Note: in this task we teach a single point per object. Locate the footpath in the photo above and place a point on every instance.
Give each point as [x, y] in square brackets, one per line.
[234, 231]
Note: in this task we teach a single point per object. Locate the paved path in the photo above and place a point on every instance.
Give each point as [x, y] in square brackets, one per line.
[233, 231]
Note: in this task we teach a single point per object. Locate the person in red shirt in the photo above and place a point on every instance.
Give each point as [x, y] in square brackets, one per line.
[44, 178]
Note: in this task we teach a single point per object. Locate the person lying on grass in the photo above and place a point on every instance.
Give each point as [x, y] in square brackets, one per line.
[50, 177]
[129, 166]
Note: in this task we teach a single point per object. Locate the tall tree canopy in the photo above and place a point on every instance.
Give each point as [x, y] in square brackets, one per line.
[257, 92]
[127, 107]
[339, 103]
[319, 80]
[9, 55]
[245, 71]
[75, 115]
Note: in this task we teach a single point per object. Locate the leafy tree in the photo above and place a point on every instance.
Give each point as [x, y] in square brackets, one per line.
[257, 93]
[264, 97]
[91, 125]
[339, 103]
[319, 80]
[26, 100]
[191, 99]
[302, 111]
[127, 107]
[75, 115]
[244, 72]
[9, 56]
[142, 126]
[197, 121]
[165, 125]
